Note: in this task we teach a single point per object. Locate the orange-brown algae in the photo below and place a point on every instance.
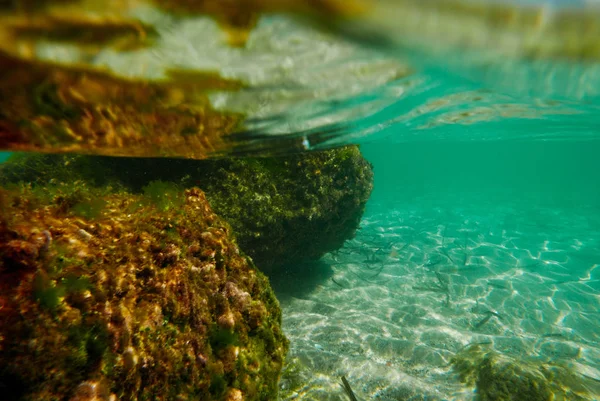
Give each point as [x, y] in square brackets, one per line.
[92, 33]
[125, 322]
[238, 18]
[55, 109]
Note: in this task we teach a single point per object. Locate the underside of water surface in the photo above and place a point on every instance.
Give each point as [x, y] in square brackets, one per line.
[199, 80]
[470, 275]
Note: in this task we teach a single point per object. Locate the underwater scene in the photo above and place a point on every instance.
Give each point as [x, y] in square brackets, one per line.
[263, 200]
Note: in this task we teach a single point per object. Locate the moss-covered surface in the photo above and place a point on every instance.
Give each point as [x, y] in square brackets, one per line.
[294, 376]
[502, 378]
[290, 209]
[127, 298]
[282, 210]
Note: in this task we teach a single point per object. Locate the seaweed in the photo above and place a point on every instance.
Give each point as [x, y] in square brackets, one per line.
[348, 389]
[164, 195]
[221, 338]
[90, 209]
[294, 376]
[46, 293]
[74, 283]
[218, 385]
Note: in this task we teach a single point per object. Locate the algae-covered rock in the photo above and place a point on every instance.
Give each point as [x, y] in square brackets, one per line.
[292, 209]
[500, 379]
[503, 378]
[113, 296]
[282, 210]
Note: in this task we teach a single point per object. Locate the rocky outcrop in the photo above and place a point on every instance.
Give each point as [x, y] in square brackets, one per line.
[108, 296]
[283, 210]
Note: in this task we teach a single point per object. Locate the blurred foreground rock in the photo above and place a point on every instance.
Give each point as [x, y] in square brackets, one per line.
[110, 296]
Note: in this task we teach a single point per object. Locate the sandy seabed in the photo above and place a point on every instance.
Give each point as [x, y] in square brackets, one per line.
[419, 284]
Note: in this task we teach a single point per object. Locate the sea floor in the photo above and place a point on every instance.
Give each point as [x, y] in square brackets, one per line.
[419, 284]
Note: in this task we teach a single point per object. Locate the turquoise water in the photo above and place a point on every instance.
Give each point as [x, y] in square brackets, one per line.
[527, 174]
[456, 232]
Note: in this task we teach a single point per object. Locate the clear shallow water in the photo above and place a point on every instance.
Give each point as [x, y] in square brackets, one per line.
[484, 226]
[392, 326]
[462, 243]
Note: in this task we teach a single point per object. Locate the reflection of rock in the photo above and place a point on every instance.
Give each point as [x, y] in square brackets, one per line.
[152, 302]
[282, 210]
[502, 378]
[54, 108]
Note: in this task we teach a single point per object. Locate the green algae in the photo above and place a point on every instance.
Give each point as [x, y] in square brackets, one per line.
[294, 376]
[319, 197]
[50, 293]
[47, 294]
[90, 343]
[90, 209]
[163, 194]
[503, 378]
[218, 385]
[221, 338]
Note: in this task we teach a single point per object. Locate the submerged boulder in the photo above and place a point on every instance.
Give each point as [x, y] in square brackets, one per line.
[292, 209]
[499, 377]
[113, 296]
[283, 210]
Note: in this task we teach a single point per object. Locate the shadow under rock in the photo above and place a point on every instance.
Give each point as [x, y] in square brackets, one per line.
[299, 280]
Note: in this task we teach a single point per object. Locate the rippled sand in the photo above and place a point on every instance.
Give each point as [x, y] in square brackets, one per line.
[417, 285]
